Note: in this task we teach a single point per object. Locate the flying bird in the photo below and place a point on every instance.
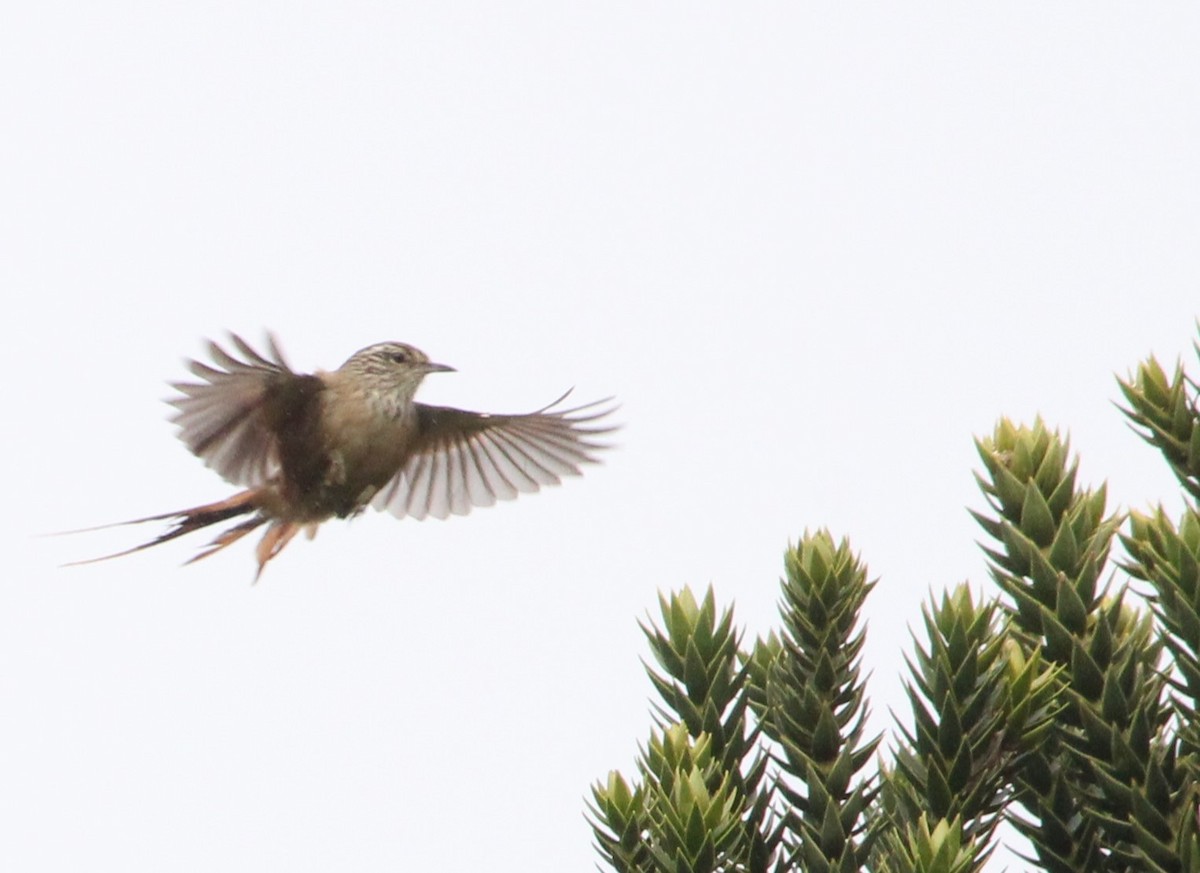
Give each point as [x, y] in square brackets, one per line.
[309, 447]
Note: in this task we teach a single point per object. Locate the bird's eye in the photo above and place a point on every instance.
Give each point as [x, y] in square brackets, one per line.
[399, 357]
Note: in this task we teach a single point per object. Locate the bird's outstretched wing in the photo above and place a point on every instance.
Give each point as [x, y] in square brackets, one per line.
[465, 459]
[230, 418]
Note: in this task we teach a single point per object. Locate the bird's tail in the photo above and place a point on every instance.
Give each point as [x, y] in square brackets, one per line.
[278, 533]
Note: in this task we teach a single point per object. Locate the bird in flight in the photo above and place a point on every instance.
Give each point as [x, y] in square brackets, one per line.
[308, 447]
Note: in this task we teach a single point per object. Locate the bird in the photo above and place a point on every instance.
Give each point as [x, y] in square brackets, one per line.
[306, 448]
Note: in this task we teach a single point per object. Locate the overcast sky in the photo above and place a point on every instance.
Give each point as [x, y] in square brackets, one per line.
[812, 250]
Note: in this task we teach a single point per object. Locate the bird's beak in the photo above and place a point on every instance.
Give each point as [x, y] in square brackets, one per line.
[439, 368]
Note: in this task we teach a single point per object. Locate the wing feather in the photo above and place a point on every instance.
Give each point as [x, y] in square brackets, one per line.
[479, 492]
[460, 502]
[462, 459]
[223, 419]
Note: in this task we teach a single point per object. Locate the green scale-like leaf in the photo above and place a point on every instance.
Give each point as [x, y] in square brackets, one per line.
[1087, 679]
[950, 732]
[1114, 704]
[1064, 551]
[1037, 522]
[1070, 610]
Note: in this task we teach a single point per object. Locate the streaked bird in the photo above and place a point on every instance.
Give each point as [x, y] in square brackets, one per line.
[310, 447]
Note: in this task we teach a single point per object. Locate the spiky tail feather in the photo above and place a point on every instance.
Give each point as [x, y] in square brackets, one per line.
[188, 520]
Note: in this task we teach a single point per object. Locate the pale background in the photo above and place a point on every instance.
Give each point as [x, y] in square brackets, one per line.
[813, 250]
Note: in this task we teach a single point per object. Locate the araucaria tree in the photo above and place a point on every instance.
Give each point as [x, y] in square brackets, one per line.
[1066, 705]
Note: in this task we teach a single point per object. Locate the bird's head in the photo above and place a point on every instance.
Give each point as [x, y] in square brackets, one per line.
[392, 368]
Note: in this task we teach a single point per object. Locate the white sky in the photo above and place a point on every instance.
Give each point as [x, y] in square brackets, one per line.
[812, 250]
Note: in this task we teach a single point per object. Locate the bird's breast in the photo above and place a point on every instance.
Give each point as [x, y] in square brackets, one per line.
[366, 445]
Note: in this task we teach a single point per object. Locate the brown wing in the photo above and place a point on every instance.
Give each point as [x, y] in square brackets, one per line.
[467, 459]
[230, 418]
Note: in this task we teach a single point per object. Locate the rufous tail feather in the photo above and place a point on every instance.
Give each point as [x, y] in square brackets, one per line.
[189, 520]
[278, 535]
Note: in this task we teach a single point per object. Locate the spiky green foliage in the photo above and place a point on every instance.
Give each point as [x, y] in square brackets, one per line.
[1061, 706]
[697, 805]
[685, 817]
[809, 698]
[1052, 539]
[1163, 411]
[915, 848]
[1169, 559]
[1162, 553]
[701, 684]
[1089, 790]
[978, 705]
[1167, 556]
[620, 824]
